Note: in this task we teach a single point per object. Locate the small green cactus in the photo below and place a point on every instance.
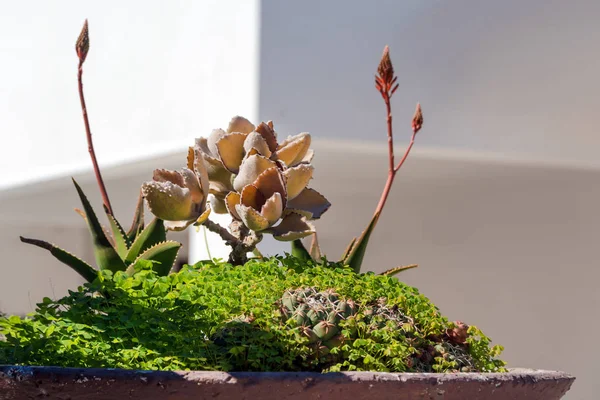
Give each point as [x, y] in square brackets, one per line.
[317, 316]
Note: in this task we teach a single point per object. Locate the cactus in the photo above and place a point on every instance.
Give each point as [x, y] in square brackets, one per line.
[317, 316]
[121, 250]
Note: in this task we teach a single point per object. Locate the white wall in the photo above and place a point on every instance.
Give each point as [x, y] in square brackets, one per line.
[157, 75]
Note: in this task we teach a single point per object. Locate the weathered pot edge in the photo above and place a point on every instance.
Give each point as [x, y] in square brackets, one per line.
[550, 384]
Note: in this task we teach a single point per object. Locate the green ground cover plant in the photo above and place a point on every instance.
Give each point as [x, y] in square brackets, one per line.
[215, 316]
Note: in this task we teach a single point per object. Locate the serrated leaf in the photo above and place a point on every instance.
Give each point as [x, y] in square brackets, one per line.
[120, 238]
[77, 264]
[152, 234]
[299, 251]
[397, 270]
[344, 257]
[163, 254]
[138, 220]
[106, 255]
[356, 255]
[315, 249]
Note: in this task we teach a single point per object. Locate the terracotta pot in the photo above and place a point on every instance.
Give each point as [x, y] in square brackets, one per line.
[97, 384]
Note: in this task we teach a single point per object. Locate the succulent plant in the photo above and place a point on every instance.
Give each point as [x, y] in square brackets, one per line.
[122, 250]
[179, 197]
[317, 316]
[261, 182]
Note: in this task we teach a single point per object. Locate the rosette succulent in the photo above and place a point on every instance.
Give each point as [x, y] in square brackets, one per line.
[317, 316]
[179, 197]
[261, 182]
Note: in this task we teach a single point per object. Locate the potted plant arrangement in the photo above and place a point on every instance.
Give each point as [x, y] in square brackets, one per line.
[294, 326]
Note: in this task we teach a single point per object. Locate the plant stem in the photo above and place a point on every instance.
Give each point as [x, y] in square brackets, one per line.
[388, 107]
[405, 156]
[206, 243]
[88, 133]
[392, 170]
[239, 246]
[229, 239]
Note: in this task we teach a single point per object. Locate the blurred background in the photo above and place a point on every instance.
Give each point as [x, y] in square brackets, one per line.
[497, 203]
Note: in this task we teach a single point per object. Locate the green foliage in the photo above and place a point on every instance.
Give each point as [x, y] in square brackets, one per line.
[121, 251]
[299, 251]
[213, 316]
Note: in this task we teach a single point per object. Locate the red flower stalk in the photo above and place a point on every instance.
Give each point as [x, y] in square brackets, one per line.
[385, 83]
[82, 47]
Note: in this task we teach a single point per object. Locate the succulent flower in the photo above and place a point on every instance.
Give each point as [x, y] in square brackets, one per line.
[179, 197]
[261, 182]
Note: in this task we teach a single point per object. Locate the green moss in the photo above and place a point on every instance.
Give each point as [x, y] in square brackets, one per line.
[213, 316]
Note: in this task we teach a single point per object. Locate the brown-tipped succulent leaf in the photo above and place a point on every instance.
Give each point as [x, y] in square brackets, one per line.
[177, 197]
[253, 219]
[231, 200]
[255, 141]
[293, 226]
[297, 178]
[309, 203]
[231, 151]
[272, 209]
[293, 150]
[219, 176]
[217, 204]
[269, 182]
[240, 124]
[269, 135]
[250, 169]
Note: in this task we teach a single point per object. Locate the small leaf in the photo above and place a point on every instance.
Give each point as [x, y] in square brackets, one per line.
[397, 270]
[106, 255]
[153, 234]
[356, 255]
[299, 251]
[77, 264]
[138, 220]
[164, 254]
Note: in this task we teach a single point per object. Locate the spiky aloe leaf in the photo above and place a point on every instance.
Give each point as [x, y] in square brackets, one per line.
[120, 238]
[299, 251]
[164, 254]
[77, 264]
[356, 255]
[138, 220]
[106, 255]
[346, 253]
[152, 234]
[315, 249]
[106, 231]
[397, 270]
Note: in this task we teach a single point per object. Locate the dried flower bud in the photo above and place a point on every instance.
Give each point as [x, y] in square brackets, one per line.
[83, 43]
[417, 121]
[385, 70]
[459, 333]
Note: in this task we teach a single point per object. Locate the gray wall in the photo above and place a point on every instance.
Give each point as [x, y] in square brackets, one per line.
[512, 76]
